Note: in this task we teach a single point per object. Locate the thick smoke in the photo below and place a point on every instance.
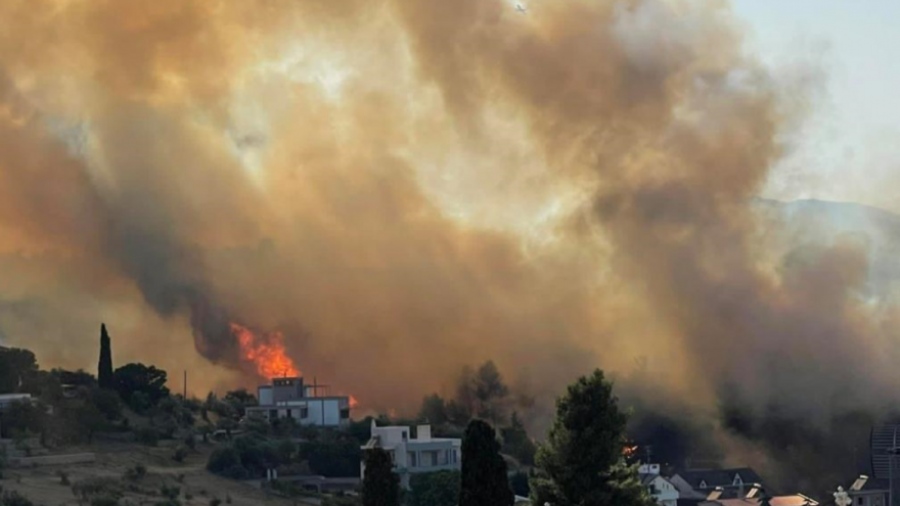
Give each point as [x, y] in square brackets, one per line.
[404, 187]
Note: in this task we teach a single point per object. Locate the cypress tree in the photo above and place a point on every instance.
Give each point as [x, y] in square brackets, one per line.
[484, 481]
[105, 368]
[381, 485]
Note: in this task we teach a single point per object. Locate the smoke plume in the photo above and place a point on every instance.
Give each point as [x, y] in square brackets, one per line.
[405, 187]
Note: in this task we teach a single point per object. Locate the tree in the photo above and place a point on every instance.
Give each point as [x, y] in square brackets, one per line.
[516, 442]
[484, 480]
[381, 486]
[16, 365]
[434, 410]
[434, 489]
[134, 379]
[105, 367]
[581, 461]
[482, 393]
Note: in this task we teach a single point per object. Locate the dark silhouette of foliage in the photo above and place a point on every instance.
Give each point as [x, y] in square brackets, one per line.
[581, 461]
[434, 489]
[381, 486]
[434, 410]
[105, 376]
[141, 386]
[516, 442]
[484, 479]
[16, 365]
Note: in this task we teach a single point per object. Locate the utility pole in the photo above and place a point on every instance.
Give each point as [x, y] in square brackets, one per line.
[185, 384]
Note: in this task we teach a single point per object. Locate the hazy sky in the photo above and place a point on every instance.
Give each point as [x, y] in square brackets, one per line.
[850, 149]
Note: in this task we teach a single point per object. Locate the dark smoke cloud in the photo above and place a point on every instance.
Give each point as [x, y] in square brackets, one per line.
[407, 187]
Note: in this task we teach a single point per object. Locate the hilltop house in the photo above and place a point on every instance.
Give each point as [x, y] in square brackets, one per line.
[866, 491]
[414, 452]
[701, 483]
[660, 488]
[290, 398]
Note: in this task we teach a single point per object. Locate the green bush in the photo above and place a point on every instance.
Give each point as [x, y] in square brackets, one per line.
[170, 493]
[63, 477]
[180, 454]
[147, 436]
[215, 501]
[223, 459]
[136, 473]
[101, 489]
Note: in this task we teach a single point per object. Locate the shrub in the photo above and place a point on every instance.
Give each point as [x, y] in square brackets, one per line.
[215, 501]
[180, 454]
[227, 498]
[101, 489]
[170, 493]
[136, 473]
[223, 459]
[146, 436]
[105, 500]
[63, 477]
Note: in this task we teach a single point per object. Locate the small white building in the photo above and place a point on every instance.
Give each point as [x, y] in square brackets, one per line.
[414, 452]
[290, 398]
[660, 488]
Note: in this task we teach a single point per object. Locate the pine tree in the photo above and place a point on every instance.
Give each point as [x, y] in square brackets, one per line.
[381, 486]
[105, 368]
[484, 480]
[582, 461]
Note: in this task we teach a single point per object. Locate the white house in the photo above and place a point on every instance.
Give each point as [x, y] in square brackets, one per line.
[414, 452]
[661, 489]
[290, 398]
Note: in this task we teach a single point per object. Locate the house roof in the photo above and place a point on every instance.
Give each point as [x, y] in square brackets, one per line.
[780, 500]
[866, 484]
[712, 478]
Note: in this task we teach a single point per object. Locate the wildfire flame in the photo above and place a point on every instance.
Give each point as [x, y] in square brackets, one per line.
[266, 352]
[353, 402]
[629, 451]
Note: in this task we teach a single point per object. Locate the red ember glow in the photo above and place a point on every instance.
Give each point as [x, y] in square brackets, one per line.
[266, 352]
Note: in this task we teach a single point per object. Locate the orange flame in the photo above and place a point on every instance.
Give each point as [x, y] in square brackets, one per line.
[266, 352]
[629, 451]
[353, 402]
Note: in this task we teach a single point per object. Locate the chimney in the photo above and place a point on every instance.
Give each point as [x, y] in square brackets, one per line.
[423, 432]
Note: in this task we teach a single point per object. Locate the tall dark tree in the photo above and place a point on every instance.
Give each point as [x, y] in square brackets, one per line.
[381, 485]
[582, 461]
[105, 369]
[484, 480]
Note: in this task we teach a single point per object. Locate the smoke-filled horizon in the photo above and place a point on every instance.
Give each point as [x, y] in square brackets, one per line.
[405, 187]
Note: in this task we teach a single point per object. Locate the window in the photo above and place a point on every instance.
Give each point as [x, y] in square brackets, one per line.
[273, 414]
[404, 436]
[859, 500]
[289, 414]
[702, 483]
[411, 459]
[442, 458]
[345, 413]
[304, 412]
[737, 480]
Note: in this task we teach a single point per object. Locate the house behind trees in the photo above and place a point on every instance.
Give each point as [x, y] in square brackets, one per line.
[414, 452]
